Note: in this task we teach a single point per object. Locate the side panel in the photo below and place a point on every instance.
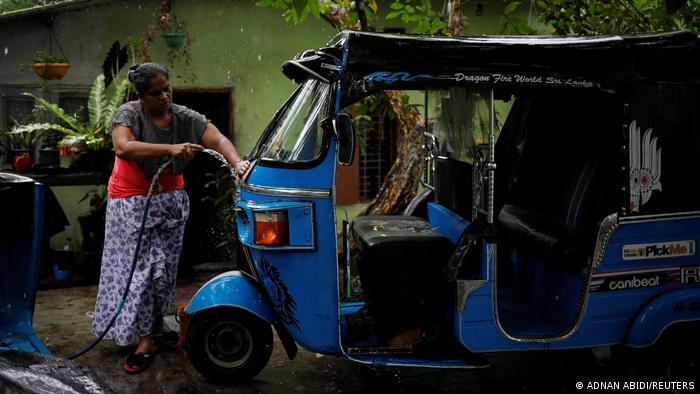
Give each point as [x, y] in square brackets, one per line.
[662, 285]
[301, 284]
[232, 289]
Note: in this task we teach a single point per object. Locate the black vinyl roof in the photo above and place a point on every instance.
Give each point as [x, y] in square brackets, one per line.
[673, 56]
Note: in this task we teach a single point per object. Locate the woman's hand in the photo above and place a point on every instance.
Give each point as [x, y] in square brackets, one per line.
[184, 151]
[241, 167]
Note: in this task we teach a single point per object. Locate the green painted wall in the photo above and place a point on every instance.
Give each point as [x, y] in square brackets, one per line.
[236, 45]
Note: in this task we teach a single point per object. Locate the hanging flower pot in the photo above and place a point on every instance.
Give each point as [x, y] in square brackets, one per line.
[51, 70]
[174, 40]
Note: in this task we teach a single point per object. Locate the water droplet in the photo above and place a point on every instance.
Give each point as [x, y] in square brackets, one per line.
[6, 50]
[259, 57]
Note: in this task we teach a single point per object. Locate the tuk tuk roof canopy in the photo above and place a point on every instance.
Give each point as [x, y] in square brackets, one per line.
[672, 56]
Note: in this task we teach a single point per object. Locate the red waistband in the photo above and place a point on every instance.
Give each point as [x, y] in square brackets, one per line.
[128, 180]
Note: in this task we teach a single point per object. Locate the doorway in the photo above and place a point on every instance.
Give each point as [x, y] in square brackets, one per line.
[209, 230]
[215, 104]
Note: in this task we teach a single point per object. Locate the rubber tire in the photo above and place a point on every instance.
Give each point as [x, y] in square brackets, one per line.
[683, 366]
[677, 344]
[260, 334]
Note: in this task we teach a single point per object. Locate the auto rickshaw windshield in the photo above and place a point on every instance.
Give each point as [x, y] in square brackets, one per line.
[297, 136]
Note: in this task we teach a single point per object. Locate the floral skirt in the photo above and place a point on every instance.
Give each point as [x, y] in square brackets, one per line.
[152, 288]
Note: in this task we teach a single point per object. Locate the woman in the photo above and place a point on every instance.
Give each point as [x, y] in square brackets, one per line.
[146, 134]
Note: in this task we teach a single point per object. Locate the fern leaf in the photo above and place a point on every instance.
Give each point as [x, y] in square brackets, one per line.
[96, 101]
[28, 128]
[71, 121]
[120, 88]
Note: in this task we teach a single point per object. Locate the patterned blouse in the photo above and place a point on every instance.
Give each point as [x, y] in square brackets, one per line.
[186, 126]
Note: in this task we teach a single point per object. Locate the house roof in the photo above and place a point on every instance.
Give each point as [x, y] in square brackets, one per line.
[51, 8]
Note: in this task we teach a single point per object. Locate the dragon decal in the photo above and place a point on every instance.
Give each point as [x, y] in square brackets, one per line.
[645, 166]
[284, 304]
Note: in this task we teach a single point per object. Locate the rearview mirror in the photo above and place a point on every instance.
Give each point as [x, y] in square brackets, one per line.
[342, 125]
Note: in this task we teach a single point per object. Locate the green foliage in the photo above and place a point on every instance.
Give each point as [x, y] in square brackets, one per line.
[296, 10]
[420, 13]
[101, 110]
[512, 21]
[219, 201]
[13, 5]
[17, 139]
[45, 57]
[613, 17]
[97, 198]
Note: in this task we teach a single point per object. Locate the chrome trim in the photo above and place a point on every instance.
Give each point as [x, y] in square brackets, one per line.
[429, 152]
[605, 231]
[244, 178]
[286, 191]
[398, 364]
[466, 287]
[262, 206]
[661, 216]
[310, 71]
[491, 164]
[607, 227]
[282, 248]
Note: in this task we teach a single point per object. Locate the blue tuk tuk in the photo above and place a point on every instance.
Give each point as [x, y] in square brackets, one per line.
[559, 207]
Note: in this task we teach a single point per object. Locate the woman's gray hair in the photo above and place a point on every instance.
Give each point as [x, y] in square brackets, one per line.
[141, 74]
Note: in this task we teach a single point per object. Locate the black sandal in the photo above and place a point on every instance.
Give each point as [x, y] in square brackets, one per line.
[169, 339]
[137, 362]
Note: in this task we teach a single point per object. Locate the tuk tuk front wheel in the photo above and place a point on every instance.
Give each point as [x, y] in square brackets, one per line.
[227, 345]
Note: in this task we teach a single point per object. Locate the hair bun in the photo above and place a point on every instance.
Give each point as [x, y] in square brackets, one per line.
[132, 71]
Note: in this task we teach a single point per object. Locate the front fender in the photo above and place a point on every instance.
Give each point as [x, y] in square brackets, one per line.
[673, 307]
[232, 289]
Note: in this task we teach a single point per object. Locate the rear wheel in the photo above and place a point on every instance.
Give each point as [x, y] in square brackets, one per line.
[684, 366]
[673, 358]
[228, 345]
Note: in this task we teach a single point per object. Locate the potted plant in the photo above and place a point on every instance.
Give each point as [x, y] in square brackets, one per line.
[175, 33]
[89, 137]
[19, 143]
[47, 66]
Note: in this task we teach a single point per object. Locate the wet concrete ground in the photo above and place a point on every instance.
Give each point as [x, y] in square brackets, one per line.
[63, 316]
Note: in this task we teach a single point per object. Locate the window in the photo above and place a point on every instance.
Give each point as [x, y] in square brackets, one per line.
[297, 136]
[459, 118]
[15, 107]
[16, 110]
[74, 103]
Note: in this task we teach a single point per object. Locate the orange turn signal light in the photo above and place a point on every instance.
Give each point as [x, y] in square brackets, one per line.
[271, 228]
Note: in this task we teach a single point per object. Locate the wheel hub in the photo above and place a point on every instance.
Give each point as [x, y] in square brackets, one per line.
[228, 344]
